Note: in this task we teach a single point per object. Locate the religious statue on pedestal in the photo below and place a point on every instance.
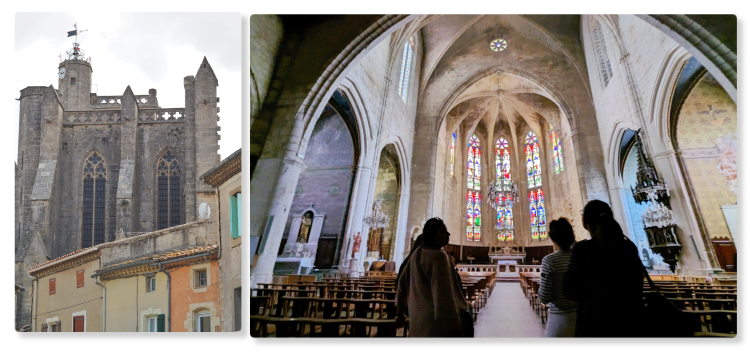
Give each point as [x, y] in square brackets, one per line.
[355, 247]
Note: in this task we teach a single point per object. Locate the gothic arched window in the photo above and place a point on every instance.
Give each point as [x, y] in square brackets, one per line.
[406, 58]
[556, 150]
[538, 215]
[94, 199]
[601, 51]
[533, 167]
[473, 197]
[168, 179]
[503, 182]
[453, 152]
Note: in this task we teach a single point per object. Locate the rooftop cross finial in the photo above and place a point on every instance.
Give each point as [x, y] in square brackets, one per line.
[76, 53]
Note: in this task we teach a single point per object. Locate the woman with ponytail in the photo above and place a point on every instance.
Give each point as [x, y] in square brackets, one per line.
[429, 289]
[605, 277]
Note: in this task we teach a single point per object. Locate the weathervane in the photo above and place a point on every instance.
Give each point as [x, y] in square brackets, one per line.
[76, 53]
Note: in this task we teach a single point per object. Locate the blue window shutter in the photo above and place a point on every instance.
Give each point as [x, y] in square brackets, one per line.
[160, 323]
[233, 216]
[239, 214]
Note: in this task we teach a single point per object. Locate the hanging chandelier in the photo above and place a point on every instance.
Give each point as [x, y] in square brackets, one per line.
[499, 197]
[378, 218]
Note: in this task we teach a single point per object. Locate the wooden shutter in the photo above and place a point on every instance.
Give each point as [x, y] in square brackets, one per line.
[44, 327]
[78, 324]
[233, 216]
[239, 214]
[79, 278]
[58, 325]
[52, 286]
[160, 323]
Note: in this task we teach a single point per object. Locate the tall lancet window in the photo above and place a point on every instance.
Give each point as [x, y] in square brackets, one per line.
[473, 196]
[453, 152]
[503, 182]
[403, 80]
[556, 150]
[538, 216]
[601, 51]
[168, 175]
[533, 166]
[94, 199]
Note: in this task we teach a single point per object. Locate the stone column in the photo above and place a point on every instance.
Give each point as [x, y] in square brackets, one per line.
[357, 212]
[401, 232]
[125, 184]
[693, 255]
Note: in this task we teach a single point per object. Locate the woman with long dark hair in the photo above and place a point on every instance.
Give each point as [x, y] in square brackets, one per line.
[562, 311]
[605, 277]
[429, 289]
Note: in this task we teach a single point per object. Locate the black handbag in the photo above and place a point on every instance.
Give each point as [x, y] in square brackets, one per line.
[467, 320]
[661, 318]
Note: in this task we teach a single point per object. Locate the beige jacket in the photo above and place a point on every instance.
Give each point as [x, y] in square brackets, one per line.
[431, 298]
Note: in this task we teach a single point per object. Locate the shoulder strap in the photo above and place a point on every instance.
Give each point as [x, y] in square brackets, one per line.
[650, 282]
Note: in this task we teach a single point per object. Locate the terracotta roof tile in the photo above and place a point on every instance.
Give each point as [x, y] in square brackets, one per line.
[61, 257]
[166, 256]
[151, 234]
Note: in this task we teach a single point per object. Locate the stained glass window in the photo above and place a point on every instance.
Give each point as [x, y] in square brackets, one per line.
[403, 80]
[601, 51]
[453, 152]
[94, 201]
[168, 183]
[505, 218]
[473, 177]
[556, 150]
[473, 216]
[502, 165]
[538, 216]
[533, 166]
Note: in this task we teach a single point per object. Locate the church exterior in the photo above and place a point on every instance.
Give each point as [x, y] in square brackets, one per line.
[92, 167]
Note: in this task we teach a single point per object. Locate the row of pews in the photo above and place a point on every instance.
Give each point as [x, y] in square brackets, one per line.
[342, 306]
[334, 307]
[710, 309]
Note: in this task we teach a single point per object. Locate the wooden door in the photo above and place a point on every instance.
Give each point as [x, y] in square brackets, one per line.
[326, 252]
[78, 324]
[726, 254]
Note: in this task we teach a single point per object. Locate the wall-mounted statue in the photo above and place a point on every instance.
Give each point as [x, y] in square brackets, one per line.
[357, 242]
[304, 230]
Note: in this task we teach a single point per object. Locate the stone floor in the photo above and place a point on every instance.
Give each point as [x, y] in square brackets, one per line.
[507, 314]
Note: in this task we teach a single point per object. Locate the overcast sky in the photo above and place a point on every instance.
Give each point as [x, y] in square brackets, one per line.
[143, 50]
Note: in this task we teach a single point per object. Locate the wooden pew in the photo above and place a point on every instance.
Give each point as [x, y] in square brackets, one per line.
[266, 326]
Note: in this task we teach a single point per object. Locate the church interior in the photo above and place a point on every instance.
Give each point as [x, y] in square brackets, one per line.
[363, 128]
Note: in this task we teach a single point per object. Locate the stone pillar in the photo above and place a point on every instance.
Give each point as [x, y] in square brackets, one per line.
[126, 219]
[277, 192]
[190, 177]
[693, 255]
[206, 141]
[357, 212]
[401, 232]
[424, 158]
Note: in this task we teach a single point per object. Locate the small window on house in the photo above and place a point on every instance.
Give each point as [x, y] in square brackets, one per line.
[150, 283]
[235, 215]
[201, 278]
[53, 327]
[79, 278]
[72, 81]
[52, 286]
[204, 322]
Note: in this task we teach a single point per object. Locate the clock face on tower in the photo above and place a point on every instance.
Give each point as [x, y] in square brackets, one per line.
[61, 74]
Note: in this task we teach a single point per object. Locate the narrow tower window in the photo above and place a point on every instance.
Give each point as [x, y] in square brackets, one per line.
[601, 51]
[168, 175]
[94, 197]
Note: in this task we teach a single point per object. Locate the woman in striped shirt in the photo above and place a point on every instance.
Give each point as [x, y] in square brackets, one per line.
[562, 312]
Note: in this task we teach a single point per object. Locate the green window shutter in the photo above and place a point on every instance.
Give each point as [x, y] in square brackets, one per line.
[160, 323]
[233, 216]
[239, 214]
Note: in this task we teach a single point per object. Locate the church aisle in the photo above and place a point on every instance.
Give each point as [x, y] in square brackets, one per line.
[507, 314]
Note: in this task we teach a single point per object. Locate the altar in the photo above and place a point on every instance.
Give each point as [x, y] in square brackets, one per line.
[507, 254]
[293, 264]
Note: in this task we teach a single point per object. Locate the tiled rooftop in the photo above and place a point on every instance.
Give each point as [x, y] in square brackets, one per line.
[61, 257]
[166, 256]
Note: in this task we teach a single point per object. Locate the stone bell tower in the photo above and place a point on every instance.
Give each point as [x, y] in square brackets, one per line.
[74, 80]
